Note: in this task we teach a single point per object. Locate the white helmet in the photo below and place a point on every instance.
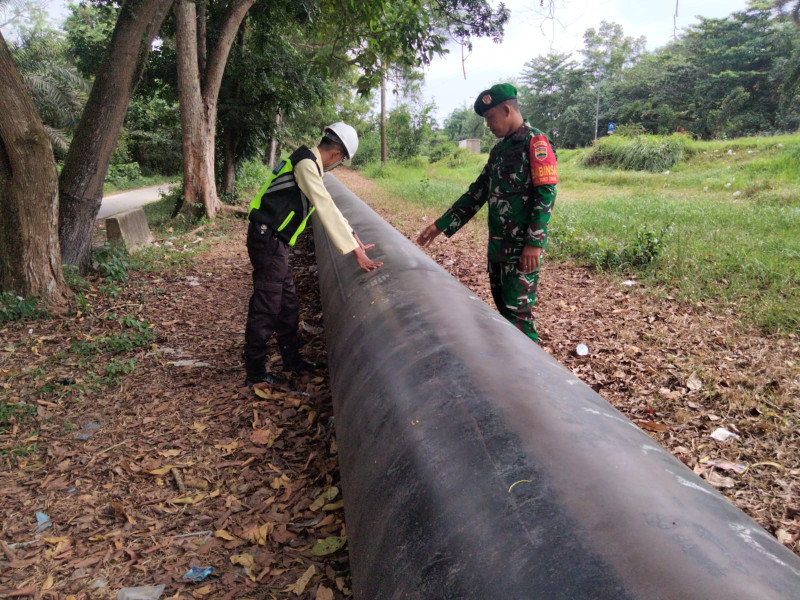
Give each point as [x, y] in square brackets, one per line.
[345, 134]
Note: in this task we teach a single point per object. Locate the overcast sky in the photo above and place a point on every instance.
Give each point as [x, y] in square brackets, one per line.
[529, 34]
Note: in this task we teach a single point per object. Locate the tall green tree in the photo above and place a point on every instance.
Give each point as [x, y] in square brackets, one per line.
[607, 51]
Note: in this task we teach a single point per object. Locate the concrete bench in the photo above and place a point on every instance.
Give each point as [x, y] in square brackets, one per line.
[128, 230]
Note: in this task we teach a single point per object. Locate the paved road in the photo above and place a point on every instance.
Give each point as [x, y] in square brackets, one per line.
[123, 201]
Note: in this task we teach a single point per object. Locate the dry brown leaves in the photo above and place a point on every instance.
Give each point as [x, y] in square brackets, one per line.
[183, 466]
[679, 371]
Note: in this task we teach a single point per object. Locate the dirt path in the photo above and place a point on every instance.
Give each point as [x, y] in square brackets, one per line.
[679, 371]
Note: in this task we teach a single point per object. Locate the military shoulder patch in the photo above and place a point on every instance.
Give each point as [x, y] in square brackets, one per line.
[543, 161]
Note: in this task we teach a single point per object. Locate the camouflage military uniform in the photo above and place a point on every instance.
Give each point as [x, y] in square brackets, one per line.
[519, 211]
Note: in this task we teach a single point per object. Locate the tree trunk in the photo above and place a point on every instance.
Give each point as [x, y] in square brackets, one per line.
[229, 161]
[199, 104]
[274, 146]
[383, 117]
[86, 164]
[30, 261]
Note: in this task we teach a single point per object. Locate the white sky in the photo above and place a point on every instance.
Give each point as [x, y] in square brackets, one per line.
[529, 34]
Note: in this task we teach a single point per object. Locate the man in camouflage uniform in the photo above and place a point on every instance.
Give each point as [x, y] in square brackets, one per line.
[519, 183]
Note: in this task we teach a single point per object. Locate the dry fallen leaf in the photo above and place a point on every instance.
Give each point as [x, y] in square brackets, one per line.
[245, 560]
[221, 533]
[304, 580]
[653, 426]
[323, 593]
[228, 448]
[162, 470]
[694, 382]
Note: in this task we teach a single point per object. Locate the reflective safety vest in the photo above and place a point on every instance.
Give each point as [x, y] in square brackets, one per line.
[280, 204]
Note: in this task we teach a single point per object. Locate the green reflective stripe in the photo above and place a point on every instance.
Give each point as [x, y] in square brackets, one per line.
[301, 227]
[286, 220]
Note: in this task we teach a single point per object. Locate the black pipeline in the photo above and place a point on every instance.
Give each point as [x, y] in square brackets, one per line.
[475, 466]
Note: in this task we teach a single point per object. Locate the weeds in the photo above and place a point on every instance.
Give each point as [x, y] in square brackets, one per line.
[640, 153]
[17, 308]
[642, 250]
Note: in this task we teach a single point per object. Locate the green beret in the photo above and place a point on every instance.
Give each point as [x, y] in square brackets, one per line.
[499, 92]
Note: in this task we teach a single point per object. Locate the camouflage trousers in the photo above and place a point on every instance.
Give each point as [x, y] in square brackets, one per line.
[514, 294]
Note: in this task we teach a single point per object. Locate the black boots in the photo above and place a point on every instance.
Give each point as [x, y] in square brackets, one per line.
[257, 373]
[293, 362]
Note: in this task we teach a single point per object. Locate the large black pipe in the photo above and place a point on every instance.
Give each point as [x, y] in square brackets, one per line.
[475, 466]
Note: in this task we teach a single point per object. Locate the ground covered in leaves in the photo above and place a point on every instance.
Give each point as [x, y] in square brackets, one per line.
[127, 428]
[681, 372]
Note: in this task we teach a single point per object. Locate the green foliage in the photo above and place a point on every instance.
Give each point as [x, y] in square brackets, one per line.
[136, 334]
[14, 412]
[642, 249]
[722, 78]
[56, 87]
[17, 308]
[120, 174]
[458, 158]
[89, 28]
[369, 147]
[640, 153]
[112, 263]
[73, 279]
[153, 131]
[439, 152]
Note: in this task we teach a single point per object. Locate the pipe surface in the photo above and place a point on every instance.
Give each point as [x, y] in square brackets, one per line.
[475, 466]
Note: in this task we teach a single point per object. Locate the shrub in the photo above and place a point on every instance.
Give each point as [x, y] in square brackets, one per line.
[112, 263]
[121, 174]
[439, 152]
[640, 153]
[637, 253]
[458, 157]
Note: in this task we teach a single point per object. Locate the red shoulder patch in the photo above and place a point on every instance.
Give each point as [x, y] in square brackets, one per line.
[543, 161]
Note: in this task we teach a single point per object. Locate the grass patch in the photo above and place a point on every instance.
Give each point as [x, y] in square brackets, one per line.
[638, 153]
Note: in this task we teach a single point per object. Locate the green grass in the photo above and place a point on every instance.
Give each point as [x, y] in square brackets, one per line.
[722, 226]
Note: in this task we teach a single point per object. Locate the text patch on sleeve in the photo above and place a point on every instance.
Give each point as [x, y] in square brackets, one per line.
[543, 161]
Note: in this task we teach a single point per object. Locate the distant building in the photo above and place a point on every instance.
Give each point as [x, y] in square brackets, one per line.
[474, 146]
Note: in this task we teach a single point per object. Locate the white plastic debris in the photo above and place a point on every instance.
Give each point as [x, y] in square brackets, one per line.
[629, 282]
[146, 592]
[581, 350]
[737, 193]
[311, 328]
[721, 434]
[190, 363]
[727, 185]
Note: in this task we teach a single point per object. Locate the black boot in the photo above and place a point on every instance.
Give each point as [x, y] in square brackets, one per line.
[257, 373]
[293, 362]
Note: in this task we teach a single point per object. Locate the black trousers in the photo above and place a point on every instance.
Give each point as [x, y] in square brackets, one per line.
[273, 306]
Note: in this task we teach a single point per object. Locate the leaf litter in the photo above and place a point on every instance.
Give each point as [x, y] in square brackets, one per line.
[189, 467]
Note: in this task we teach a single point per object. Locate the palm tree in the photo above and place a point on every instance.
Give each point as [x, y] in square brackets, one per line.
[58, 90]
